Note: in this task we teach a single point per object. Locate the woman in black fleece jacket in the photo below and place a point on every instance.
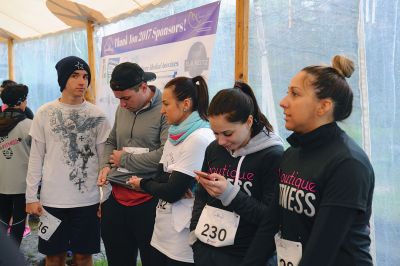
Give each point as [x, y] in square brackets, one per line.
[238, 178]
[326, 179]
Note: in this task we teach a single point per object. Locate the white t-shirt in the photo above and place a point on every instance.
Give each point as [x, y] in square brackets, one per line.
[70, 160]
[14, 156]
[171, 228]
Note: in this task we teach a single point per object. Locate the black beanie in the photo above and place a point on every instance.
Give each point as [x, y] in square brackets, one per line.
[66, 66]
[14, 95]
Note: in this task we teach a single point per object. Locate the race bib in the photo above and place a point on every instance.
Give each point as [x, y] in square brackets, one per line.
[288, 252]
[48, 224]
[164, 207]
[217, 227]
[135, 150]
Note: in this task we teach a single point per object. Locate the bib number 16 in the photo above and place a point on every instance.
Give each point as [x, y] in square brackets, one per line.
[43, 228]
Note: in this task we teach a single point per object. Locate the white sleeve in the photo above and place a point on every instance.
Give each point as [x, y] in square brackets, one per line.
[34, 175]
[103, 131]
[36, 129]
[106, 188]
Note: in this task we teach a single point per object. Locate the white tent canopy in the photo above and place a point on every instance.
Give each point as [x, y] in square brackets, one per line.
[22, 19]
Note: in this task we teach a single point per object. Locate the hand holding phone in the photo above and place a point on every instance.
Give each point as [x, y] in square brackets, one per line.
[205, 175]
[214, 183]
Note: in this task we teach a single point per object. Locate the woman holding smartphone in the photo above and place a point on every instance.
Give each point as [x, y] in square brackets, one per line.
[185, 102]
[238, 178]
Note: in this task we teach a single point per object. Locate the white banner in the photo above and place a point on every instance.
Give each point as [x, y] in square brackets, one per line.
[179, 45]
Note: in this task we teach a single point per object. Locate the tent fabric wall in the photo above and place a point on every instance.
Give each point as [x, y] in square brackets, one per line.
[382, 39]
[19, 18]
[34, 64]
[296, 36]
[3, 61]
[35, 61]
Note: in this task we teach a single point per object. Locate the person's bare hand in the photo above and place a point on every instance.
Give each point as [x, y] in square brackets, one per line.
[115, 158]
[34, 208]
[214, 184]
[134, 181]
[102, 179]
[188, 195]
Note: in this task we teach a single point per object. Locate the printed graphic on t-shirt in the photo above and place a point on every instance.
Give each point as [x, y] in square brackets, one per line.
[297, 194]
[169, 160]
[229, 172]
[5, 146]
[74, 131]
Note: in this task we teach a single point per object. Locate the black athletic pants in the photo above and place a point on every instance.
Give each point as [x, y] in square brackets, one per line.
[125, 229]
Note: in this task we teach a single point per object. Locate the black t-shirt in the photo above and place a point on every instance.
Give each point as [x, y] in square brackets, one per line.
[326, 168]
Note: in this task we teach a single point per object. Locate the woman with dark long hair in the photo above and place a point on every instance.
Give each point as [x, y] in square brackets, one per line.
[237, 179]
[185, 102]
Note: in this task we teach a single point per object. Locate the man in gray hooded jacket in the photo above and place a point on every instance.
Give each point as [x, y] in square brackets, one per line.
[135, 144]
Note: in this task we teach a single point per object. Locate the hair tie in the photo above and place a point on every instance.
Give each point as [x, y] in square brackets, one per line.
[195, 81]
[238, 85]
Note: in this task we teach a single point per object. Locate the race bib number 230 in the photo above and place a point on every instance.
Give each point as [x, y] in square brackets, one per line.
[217, 227]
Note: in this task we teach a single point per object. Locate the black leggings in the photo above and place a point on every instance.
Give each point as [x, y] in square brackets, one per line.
[13, 205]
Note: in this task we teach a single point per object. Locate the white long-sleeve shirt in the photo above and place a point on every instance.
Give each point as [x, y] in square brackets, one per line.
[66, 144]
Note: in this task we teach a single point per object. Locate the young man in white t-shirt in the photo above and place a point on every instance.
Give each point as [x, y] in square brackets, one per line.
[68, 137]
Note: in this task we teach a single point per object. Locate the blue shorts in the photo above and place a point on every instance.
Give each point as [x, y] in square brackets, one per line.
[78, 232]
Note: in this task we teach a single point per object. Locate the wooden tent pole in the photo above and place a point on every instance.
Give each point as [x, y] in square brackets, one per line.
[10, 47]
[242, 40]
[91, 94]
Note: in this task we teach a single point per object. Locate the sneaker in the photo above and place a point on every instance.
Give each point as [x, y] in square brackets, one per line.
[27, 231]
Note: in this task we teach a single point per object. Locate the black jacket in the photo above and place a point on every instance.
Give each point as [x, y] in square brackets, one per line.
[257, 180]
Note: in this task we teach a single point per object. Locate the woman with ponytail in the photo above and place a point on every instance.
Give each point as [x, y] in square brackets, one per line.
[185, 102]
[237, 179]
[326, 179]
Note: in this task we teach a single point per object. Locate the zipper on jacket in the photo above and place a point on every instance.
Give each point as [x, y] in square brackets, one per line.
[133, 124]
